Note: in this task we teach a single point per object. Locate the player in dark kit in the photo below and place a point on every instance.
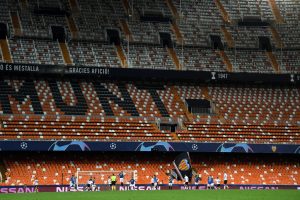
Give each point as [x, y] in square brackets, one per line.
[197, 180]
[121, 176]
[155, 181]
[73, 182]
[132, 184]
[152, 182]
[210, 182]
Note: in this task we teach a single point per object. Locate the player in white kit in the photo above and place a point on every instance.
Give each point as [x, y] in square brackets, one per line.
[225, 181]
[36, 185]
[218, 183]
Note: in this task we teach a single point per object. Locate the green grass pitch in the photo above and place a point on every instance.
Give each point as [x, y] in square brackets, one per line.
[162, 195]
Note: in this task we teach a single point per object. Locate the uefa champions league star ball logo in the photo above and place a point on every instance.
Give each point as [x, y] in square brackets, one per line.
[113, 145]
[24, 145]
[195, 147]
[240, 147]
[69, 146]
[151, 146]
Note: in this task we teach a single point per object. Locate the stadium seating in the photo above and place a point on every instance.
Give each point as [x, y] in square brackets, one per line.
[238, 121]
[30, 34]
[93, 54]
[250, 61]
[289, 60]
[257, 105]
[43, 109]
[153, 57]
[210, 59]
[247, 37]
[199, 20]
[201, 131]
[31, 51]
[290, 11]
[55, 169]
[240, 9]
[68, 128]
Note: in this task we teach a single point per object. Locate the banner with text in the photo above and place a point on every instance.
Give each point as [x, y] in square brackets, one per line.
[140, 187]
[142, 74]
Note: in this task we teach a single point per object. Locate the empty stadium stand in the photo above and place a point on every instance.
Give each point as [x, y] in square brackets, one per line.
[288, 60]
[189, 24]
[211, 61]
[29, 51]
[97, 54]
[47, 109]
[250, 61]
[153, 57]
[53, 169]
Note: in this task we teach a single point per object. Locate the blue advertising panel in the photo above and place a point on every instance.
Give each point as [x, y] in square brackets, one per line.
[148, 146]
